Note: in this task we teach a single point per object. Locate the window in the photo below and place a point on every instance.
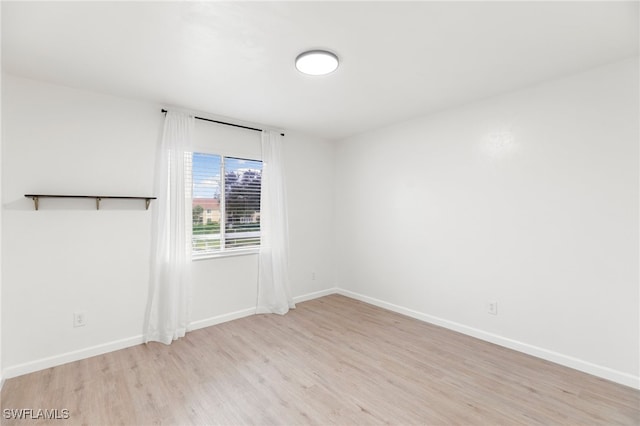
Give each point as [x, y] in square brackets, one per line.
[226, 203]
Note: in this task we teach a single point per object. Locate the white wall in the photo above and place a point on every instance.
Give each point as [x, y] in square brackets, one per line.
[68, 257]
[310, 190]
[529, 199]
[1, 133]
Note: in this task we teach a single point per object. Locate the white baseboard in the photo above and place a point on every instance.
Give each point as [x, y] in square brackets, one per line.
[219, 319]
[558, 358]
[251, 311]
[52, 361]
[315, 295]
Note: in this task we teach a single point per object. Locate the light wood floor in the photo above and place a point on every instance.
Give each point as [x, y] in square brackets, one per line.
[331, 361]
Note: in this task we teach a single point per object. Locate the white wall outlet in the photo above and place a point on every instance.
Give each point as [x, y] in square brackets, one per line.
[79, 319]
[313, 276]
[492, 307]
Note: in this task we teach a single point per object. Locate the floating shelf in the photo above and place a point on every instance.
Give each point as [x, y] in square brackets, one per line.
[98, 198]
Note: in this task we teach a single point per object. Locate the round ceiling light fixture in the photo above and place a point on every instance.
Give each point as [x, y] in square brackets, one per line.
[316, 62]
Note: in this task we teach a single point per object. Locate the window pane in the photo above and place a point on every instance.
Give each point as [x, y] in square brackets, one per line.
[206, 202]
[243, 179]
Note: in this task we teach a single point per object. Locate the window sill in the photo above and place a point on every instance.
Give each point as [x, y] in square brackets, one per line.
[228, 253]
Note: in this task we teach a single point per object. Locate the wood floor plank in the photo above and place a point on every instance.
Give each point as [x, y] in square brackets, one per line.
[332, 361]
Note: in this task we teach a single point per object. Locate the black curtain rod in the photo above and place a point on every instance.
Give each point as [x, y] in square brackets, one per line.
[225, 123]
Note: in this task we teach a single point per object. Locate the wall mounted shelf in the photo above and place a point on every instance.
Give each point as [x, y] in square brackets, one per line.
[98, 198]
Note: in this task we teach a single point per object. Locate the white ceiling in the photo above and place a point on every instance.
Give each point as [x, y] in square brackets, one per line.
[398, 59]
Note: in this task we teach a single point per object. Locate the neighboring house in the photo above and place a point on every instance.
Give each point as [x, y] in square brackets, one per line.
[210, 209]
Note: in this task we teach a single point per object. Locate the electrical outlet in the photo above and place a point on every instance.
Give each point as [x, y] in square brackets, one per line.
[79, 319]
[313, 276]
[492, 307]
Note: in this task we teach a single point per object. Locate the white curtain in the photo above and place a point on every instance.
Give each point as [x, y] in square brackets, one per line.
[274, 292]
[167, 314]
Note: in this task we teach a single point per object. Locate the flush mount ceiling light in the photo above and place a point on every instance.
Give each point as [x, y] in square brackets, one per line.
[316, 62]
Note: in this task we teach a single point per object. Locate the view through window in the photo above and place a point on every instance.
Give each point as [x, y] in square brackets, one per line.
[226, 203]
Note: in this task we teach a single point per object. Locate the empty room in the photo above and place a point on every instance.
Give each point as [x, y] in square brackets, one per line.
[320, 213]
